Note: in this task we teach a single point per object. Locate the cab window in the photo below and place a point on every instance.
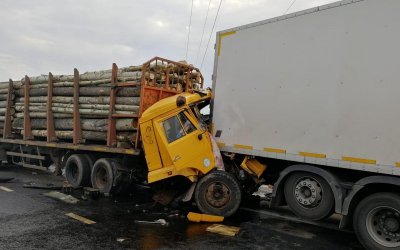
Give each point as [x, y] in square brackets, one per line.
[177, 126]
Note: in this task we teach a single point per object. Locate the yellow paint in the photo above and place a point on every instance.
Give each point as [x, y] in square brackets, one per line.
[398, 164]
[243, 146]
[195, 217]
[80, 218]
[53, 145]
[314, 155]
[220, 144]
[167, 172]
[6, 189]
[129, 151]
[222, 35]
[253, 167]
[275, 150]
[100, 149]
[358, 160]
[72, 147]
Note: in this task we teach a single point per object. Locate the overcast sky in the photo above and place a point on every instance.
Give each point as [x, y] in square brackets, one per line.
[41, 36]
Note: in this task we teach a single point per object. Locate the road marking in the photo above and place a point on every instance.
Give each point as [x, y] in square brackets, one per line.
[80, 218]
[6, 189]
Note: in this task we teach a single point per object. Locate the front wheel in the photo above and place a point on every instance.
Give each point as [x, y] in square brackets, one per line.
[376, 221]
[218, 193]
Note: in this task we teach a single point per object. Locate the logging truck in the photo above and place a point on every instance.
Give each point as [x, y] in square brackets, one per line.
[313, 95]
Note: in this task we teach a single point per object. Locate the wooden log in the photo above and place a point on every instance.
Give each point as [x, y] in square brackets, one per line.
[42, 115]
[88, 135]
[21, 108]
[3, 97]
[83, 91]
[3, 111]
[118, 107]
[87, 124]
[83, 100]
[3, 104]
[2, 118]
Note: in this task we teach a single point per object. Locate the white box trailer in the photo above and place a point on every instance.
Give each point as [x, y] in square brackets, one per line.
[320, 89]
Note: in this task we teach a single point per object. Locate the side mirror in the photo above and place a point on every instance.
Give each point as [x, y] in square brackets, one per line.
[200, 136]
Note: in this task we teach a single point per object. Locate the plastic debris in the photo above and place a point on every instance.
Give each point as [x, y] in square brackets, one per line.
[223, 230]
[161, 222]
[195, 217]
[263, 191]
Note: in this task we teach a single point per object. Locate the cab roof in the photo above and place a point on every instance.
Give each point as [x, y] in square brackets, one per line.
[168, 104]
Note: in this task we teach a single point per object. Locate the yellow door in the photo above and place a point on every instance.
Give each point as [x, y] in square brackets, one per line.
[187, 144]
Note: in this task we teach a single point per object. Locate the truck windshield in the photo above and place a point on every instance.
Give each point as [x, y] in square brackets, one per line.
[177, 126]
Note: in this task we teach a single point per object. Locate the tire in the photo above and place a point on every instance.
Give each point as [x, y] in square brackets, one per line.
[91, 160]
[77, 171]
[309, 196]
[106, 178]
[376, 221]
[209, 190]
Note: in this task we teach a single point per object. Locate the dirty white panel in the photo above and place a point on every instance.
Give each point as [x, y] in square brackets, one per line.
[323, 81]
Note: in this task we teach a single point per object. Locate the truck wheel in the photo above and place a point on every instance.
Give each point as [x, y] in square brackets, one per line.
[376, 221]
[309, 196]
[103, 175]
[77, 170]
[218, 193]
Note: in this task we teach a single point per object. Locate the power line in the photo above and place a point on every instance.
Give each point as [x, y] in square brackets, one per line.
[202, 33]
[212, 31]
[190, 24]
[290, 6]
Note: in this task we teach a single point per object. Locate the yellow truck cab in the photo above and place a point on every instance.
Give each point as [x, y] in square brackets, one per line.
[177, 143]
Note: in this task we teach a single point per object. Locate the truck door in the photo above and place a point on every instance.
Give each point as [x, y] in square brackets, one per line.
[187, 144]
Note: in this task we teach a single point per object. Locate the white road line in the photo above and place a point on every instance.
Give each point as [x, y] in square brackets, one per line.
[6, 189]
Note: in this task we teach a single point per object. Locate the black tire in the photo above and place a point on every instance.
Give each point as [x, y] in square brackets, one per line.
[77, 171]
[104, 176]
[376, 221]
[91, 160]
[309, 196]
[218, 193]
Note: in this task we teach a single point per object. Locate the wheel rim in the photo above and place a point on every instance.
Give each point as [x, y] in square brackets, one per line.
[101, 178]
[308, 192]
[383, 225]
[217, 194]
[73, 172]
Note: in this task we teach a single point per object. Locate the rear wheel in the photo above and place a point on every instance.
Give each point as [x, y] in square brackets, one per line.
[218, 193]
[376, 221]
[309, 196]
[77, 171]
[103, 175]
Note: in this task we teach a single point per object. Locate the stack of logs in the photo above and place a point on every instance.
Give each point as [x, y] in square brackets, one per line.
[94, 100]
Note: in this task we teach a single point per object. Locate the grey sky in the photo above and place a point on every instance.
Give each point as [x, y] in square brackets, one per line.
[41, 36]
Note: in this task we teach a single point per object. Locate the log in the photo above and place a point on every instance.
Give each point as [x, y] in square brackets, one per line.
[89, 76]
[3, 97]
[3, 111]
[42, 115]
[87, 124]
[83, 91]
[83, 100]
[88, 135]
[3, 104]
[2, 118]
[118, 107]
[88, 111]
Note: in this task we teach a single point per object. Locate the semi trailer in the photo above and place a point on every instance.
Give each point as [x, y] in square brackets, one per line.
[313, 95]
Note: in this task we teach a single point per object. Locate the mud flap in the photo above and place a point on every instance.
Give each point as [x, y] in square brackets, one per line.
[189, 194]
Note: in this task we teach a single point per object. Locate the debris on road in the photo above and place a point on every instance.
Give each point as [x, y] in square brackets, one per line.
[89, 192]
[62, 197]
[80, 218]
[263, 191]
[50, 186]
[6, 189]
[161, 222]
[123, 239]
[195, 217]
[223, 229]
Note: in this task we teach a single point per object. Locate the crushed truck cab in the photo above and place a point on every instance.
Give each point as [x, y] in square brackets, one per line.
[174, 140]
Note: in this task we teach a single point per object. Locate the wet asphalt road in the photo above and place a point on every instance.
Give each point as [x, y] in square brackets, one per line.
[30, 220]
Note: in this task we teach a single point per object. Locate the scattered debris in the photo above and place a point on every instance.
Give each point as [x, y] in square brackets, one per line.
[80, 218]
[3, 180]
[63, 197]
[6, 189]
[161, 222]
[224, 230]
[263, 191]
[50, 186]
[67, 188]
[89, 192]
[195, 217]
[123, 240]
